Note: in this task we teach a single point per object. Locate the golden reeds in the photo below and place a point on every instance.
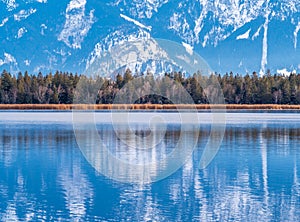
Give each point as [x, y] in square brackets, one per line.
[145, 106]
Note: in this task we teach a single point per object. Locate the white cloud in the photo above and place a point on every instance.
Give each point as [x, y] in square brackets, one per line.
[42, 1]
[244, 36]
[23, 14]
[77, 24]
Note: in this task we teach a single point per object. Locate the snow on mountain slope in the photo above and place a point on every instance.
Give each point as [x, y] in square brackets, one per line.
[23, 14]
[297, 29]
[244, 36]
[140, 9]
[222, 18]
[3, 22]
[9, 60]
[136, 22]
[21, 32]
[10, 4]
[77, 24]
[137, 51]
[232, 35]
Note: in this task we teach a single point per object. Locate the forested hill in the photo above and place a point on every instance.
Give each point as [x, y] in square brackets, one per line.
[59, 88]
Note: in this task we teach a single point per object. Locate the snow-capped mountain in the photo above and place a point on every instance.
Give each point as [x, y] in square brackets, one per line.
[71, 35]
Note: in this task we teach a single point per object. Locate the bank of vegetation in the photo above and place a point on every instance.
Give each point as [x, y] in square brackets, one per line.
[60, 88]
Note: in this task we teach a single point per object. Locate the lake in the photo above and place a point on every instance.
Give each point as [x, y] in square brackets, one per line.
[46, 175]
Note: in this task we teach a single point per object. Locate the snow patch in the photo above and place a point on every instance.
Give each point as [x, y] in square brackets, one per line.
[285, 72]
[199, 22]
[221, 18]
[21, 32]
[257, 33]
[3, 22]
[23, 14]
[185, 59]
[264, 59]
[10, 4]
[244, 36]
[27, 62]
[138, 8]
[136, 22]
[76, 4]
[296, 35]
[43, 28]
[40, 68]
[8, 59]
[77, 24]
[188, 48]
[174, 22]
[241, 64]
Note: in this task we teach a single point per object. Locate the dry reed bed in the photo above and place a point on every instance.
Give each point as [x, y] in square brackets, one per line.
[145, 107]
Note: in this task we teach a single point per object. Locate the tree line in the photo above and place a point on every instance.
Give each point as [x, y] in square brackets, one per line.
[63, 87]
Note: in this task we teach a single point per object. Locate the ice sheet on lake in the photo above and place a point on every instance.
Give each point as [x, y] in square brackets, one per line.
[241, 119]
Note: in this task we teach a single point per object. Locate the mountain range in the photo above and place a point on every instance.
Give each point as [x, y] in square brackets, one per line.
[230, 35]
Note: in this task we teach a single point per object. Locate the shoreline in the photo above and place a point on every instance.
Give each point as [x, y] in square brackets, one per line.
[143, 107]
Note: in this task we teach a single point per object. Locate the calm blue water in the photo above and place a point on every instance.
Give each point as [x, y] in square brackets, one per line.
[254, 177]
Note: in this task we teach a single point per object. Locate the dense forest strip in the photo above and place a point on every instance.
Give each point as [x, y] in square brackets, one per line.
[164, 107]
[67, 88]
